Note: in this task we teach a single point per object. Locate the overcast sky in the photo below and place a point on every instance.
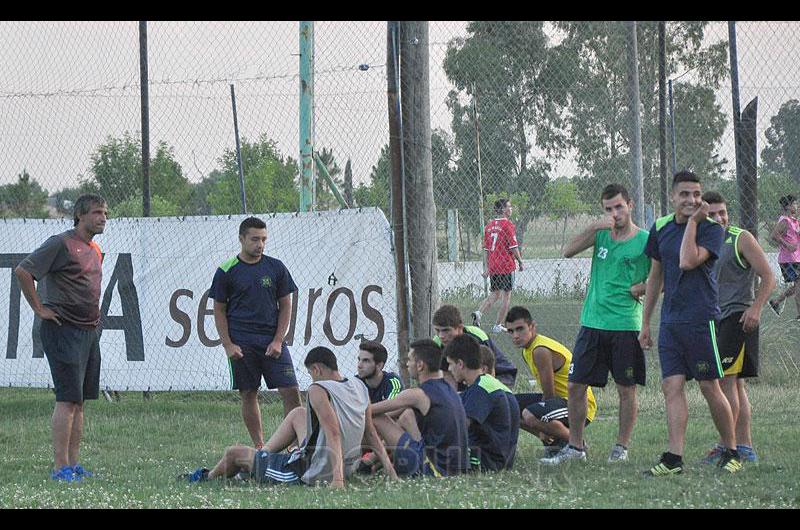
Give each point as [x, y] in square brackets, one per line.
[67, 86]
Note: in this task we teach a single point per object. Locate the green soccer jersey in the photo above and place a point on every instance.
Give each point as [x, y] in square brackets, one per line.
[616, 265]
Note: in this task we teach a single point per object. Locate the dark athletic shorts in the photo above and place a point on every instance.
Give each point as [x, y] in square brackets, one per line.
[790, 271]
[247, 371]
[690, 349]
[74, 357]
[277, 468]
[738, 351]
[599, 351]
[501, 282]
[408, 458]
[545, 410]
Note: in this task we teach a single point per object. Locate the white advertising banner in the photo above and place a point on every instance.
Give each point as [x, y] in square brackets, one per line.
[158, 324]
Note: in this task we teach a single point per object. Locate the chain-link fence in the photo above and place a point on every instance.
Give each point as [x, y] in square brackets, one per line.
[534, 111]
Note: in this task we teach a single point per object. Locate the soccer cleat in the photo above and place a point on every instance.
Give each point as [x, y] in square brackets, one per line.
[81, 472]
[776, 307]
[198, 475]
[476, 318]
[618, 454]
[747, 453]
[566, 454]
[65, 474]
[662, 469]
[730, 462]
[498, 328]
[714, 455]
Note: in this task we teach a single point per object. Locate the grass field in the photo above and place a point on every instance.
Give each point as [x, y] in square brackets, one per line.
[138, 447]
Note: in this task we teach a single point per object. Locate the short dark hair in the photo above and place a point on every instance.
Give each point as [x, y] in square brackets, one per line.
[684, 176]
[321, 355]
[786, 201]
[447, 316]
[251, 222]
[612, 190]
[465, 348]
[84, 204]
[713, 197]
[500, 204]
[379, 353]
[517, 312]
[487, 357]
[429, 353]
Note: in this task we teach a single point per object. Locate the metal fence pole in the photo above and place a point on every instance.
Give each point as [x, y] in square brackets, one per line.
[238, 152]
[306, 115]
[145, 96]
[636, 124]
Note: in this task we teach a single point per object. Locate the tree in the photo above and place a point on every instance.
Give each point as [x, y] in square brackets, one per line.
[782, 152]
[25, 198]
[508, 67]
[199, 193]
[563, 201]
[592, 59]
[159, 207]
[65, 198]
[376, 192]
[270, 180]
[116, 172]
[325, 200]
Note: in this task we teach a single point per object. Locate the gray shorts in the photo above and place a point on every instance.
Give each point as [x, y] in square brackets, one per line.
[74, 357]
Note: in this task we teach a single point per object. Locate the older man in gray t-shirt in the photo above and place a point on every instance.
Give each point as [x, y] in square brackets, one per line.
[69, 268]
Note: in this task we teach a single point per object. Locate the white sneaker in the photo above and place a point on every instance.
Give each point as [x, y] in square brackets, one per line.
[566, 454]
[476, 318]
[618, 454]
[499, 328]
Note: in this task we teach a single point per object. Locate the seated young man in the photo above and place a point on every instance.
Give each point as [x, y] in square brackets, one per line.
[448, 324]
[381, 384]
[493, 424]
[330, 433]
[545, 414]
[430, 435]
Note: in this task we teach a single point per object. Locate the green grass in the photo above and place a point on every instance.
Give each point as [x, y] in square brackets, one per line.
[138, 447]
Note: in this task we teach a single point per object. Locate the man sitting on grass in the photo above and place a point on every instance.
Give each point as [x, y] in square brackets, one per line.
[492, 420]
[330, 432]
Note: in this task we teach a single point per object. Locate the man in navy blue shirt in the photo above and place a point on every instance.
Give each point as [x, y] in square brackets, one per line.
[429, 436]
[492, 411]
[252, 296]
[381, 384]
[683, 247]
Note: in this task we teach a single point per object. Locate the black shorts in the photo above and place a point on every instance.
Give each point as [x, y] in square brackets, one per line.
[545, 410]
[247, 371]
[277, 468]
[73, 354]
[790, 271]
[501, 282]
[599, 351]
[738, 351]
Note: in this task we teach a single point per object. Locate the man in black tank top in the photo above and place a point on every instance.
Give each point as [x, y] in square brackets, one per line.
[429, 437]
[740, 260]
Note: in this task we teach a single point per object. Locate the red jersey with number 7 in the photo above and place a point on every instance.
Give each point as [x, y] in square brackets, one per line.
[499, 237]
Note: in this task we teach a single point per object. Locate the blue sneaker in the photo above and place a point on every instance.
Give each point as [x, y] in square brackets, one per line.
[198, 475]
[81, 472]
[65, 474]
[747, 453]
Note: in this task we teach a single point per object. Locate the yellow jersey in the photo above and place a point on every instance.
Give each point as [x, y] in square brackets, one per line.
[562, 373]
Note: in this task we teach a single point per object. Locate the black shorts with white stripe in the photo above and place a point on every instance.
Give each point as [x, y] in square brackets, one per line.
[551, 409]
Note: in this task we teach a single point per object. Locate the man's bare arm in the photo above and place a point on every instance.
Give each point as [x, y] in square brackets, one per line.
[233, 351]
[755, 256]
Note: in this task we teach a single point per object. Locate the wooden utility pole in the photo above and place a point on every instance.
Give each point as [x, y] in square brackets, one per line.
[416, 120]
[397, 196]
